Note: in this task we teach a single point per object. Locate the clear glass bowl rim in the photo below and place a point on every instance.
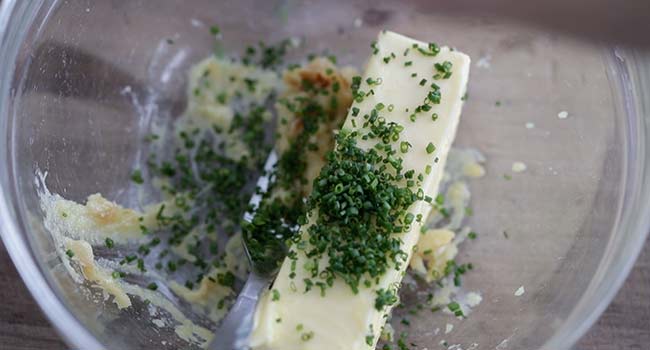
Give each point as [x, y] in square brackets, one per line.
[633, 73]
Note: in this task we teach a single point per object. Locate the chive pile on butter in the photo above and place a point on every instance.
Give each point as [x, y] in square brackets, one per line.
[340, 279]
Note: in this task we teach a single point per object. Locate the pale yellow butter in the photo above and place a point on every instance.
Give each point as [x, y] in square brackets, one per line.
[342, 320]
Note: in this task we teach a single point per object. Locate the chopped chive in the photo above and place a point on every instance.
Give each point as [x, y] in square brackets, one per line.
[444, 70]
[430, 148]
[136, 177]
[404, 146]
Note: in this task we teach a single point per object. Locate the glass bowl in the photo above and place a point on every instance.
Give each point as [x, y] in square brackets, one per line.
[83, 81]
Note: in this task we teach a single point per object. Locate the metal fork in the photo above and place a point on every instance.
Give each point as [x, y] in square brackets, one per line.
[236, 327]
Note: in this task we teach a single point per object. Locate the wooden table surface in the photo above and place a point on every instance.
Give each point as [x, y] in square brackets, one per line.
[624, 326]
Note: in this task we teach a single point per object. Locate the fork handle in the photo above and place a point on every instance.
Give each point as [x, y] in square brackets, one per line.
[235, 329]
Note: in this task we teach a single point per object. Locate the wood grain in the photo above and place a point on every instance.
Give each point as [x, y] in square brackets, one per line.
[22, 324]
[624, 326]
[626, 323]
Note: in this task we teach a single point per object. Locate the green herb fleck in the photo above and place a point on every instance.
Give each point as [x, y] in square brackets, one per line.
[275, 295]
[432, 49]
[384, 298]
[226, 279]
[404, 146]
[140, 265]
[430, 148]
[375, 49]
[136, 177]
[454, 307]
[444, 70]
[222, 98]
[307, 336]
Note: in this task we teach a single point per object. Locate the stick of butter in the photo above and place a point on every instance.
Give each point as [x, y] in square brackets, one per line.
[400, 75]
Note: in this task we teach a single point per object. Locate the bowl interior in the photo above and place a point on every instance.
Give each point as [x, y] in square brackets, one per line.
[99, 76]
